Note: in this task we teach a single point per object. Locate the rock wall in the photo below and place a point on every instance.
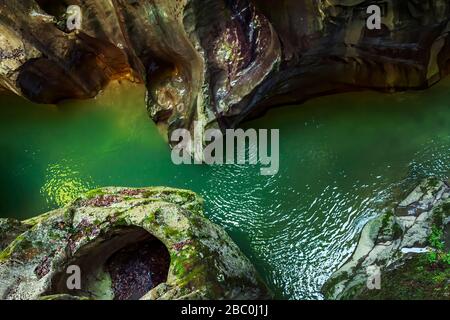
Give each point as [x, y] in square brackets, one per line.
[219, 62]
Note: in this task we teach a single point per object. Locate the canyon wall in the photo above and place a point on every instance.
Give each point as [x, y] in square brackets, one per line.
[220, 62]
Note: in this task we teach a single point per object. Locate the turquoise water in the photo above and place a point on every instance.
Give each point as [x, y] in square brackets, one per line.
[341, 158]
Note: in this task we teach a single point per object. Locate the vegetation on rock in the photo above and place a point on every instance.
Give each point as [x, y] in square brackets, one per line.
[408, 247]
[148, 243]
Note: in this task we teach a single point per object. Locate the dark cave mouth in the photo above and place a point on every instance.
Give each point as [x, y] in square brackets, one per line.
[124, 264]
[138, 268]
[55, 8]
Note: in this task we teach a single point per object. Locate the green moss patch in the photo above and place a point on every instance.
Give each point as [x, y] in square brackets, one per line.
[417, 279]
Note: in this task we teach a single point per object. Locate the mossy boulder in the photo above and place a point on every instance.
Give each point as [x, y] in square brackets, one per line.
[406, 246]
[149, 243]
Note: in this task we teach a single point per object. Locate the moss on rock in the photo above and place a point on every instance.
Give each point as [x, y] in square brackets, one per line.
[104, 232]
[407, 247]
[9, 230]
[415, 279]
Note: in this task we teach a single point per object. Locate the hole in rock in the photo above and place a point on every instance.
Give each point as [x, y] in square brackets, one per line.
[123, 264]
[53, 7]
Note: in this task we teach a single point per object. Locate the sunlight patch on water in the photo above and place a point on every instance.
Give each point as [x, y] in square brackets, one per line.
[64, 183]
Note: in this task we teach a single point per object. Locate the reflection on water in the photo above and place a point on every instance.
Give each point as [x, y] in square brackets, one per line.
[63, 184]
[341, 159]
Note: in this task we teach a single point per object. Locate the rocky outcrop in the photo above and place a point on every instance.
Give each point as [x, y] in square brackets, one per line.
[219, 62]
[408, 249]
[150, 243]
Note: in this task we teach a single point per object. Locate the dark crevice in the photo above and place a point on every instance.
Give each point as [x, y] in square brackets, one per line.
[138, 268]
[123, 264]
[53, 7]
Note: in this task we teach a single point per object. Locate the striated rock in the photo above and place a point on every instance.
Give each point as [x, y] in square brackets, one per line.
[406, 248]
[219, 62]
[46, 64]
[150, 243]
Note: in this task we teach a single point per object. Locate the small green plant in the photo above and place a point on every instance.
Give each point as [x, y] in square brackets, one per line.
[436, 241]
[446, 258]
[432, 257]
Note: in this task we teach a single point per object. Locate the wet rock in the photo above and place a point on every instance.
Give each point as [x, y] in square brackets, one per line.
[47, 64]
[397, 244]
[149, 243]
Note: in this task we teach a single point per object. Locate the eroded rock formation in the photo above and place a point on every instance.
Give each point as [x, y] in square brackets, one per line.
[409, 248]
[219, 62]
[151, 243]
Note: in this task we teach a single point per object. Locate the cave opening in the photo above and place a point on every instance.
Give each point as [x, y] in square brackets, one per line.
[123, 264]
[56, 8]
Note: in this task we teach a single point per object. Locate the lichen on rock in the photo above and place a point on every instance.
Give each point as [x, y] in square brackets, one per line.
[399, 245]
[148, 243]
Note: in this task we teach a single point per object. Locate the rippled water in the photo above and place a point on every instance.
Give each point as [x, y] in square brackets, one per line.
[341, 158]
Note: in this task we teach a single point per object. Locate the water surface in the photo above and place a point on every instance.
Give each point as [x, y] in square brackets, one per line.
[341, 158]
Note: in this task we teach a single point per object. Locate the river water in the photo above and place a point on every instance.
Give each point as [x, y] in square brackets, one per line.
[342, 158]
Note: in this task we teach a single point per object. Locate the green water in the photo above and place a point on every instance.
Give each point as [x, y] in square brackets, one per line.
[341, 158]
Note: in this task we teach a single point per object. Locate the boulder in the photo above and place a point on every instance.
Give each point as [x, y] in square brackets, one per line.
[124, 244]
